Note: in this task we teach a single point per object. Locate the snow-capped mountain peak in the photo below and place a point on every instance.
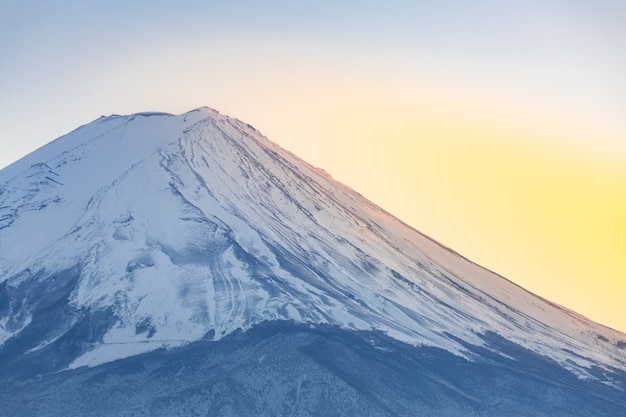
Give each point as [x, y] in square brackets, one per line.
[134, 233]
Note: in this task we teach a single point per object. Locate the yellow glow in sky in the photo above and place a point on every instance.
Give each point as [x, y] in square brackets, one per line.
[538, 201]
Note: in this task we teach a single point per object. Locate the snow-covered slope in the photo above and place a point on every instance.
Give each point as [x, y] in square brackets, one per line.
[153, 230]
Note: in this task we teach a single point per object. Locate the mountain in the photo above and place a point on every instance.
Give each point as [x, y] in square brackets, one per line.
[158, 264]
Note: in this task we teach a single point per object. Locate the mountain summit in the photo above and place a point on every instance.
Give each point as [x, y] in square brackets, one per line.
[139, 246]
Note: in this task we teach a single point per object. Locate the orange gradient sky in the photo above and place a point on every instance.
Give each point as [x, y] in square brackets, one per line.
[498, 130]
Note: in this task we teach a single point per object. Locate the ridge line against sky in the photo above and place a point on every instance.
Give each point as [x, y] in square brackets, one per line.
[497, 128]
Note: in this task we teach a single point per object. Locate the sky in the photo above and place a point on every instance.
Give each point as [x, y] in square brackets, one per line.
[498, 128]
